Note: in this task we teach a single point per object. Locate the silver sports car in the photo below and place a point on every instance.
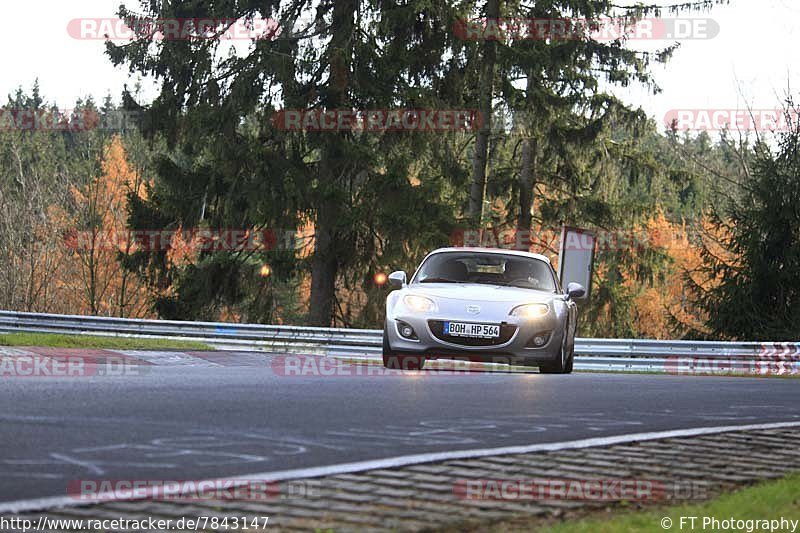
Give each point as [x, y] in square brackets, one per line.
[482, 305]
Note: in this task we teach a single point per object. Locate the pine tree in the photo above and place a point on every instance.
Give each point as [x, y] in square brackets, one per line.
[556, 88]
[227, 166]
[754, 288]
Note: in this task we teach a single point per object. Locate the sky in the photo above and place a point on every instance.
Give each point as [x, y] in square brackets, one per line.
[749, 62]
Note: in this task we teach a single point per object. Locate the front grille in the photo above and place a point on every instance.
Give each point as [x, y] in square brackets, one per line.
[506, 333]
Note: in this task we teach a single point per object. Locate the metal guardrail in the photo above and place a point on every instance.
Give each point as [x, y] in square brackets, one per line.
[592, 354]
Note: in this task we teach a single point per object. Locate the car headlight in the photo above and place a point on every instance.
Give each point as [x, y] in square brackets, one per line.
[419, 304]
[530, 310]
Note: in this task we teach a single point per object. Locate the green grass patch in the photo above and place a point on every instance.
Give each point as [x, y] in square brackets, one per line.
[58, 340]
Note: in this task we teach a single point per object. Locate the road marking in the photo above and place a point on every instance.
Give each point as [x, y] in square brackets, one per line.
[167, 358]
[92, 467]
[39, 504]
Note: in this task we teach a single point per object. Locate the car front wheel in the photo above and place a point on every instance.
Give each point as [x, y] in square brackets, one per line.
[565, 361]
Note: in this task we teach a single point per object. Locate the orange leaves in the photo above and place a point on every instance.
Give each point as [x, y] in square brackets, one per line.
[183, 251]
[651, 319]
[92, 234]
[112, 188]
[663, 306]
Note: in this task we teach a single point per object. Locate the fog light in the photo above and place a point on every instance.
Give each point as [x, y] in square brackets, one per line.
[406, 331]
[539, 340]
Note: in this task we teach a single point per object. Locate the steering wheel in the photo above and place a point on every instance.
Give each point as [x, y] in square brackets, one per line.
[527, 281]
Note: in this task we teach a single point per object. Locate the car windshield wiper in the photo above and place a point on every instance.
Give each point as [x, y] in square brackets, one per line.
[521, 285]
[440, 280]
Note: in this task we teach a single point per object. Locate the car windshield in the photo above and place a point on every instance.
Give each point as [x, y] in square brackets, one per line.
[487, 269]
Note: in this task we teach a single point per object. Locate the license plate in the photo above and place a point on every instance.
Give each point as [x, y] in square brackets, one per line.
[478, 331]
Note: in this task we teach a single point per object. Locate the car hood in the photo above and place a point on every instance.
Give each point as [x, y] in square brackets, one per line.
[480, 293]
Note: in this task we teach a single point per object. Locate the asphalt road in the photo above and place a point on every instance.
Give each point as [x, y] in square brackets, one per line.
[191, 423]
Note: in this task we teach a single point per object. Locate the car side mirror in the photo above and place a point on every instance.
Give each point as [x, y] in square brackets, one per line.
[575, 290]
[397, 279]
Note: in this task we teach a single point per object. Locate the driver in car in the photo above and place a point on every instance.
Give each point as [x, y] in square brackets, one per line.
[519, 273]
[455, 271]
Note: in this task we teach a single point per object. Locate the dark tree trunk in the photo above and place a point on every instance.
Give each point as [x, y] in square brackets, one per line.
[479, 160]
[528, 168]
[324, 267]
[332, 171]
[526, 184]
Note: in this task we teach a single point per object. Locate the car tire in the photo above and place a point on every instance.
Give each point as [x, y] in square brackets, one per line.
[565, 361]
[397, 361]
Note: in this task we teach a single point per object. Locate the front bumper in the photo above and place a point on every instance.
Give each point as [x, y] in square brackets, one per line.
[514, 346]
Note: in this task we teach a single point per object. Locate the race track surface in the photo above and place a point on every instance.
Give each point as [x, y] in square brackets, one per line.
[173, 419]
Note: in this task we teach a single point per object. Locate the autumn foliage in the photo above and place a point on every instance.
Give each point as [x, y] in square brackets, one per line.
[74, 266]
[93, 233]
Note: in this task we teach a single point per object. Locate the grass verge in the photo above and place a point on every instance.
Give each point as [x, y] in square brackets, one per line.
[57, 340]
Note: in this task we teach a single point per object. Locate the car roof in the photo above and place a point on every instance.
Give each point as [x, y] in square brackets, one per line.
[493, 251]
